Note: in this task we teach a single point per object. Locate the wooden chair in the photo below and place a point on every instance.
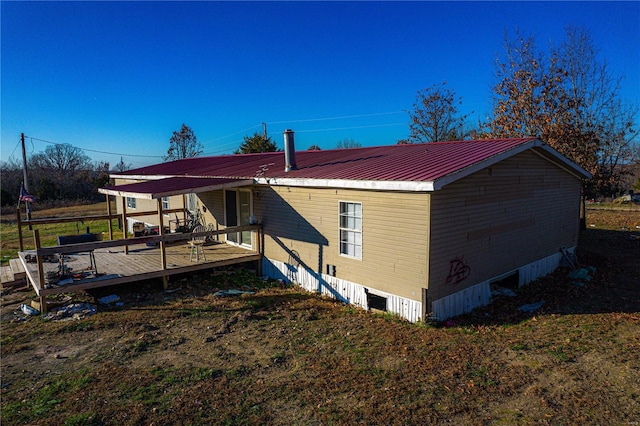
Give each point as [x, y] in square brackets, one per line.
[197, 243]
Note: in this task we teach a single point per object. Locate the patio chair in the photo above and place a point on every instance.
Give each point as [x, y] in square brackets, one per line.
[197, 243]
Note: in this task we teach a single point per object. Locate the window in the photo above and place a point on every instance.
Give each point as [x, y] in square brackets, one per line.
[131, 203]
[351, 229]
[192, 203]
[165, 203]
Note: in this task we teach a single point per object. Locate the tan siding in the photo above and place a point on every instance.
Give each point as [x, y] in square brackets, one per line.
[213, 201]
[395, 234]
[175, 202]
[496, 220]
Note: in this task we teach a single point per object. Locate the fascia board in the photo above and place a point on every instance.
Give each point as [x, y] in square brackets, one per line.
[409, 186]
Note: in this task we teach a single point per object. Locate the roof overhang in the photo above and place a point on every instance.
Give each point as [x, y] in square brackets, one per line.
[158, 188]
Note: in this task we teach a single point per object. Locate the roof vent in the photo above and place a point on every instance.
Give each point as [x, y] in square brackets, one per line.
[289, 151]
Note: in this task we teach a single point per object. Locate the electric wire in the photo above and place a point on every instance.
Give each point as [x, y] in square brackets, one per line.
[93, 150]
[335, 118]
[348, 128]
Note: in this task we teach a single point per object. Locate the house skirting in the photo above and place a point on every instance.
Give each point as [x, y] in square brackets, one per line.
[455, 304]
[479, 294]
[343, 290]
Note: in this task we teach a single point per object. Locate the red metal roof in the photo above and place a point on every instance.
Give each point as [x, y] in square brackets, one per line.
[410, 162]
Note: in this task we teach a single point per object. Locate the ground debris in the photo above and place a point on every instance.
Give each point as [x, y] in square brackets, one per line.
[72, 311]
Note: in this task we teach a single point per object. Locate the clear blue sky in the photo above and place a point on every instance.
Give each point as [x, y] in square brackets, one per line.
[120, 77]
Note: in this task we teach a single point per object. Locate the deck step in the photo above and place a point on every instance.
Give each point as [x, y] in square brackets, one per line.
[18, 269]
[8, 279]
[6, 274]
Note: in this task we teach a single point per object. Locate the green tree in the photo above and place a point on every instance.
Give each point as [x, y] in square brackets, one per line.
[256, 143]
[348, 143]
[183, 144]
[314, 148]
[435, 116]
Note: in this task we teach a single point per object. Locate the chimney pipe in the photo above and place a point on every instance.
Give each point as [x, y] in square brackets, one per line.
[289, 151]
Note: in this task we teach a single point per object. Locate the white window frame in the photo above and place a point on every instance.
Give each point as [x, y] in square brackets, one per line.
[165, 205]
[131, 203]
[350, 237]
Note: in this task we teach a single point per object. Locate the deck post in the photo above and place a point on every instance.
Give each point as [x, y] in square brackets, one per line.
[124, 223]
[41, 280]
[19, 220]
[163, 245]
[109, 213]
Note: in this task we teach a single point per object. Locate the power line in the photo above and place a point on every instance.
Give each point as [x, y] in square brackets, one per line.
[347, 128]
[96, 151]
[232, 134]
[335, 118]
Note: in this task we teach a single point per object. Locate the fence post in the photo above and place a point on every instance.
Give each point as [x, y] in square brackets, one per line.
[19, 220]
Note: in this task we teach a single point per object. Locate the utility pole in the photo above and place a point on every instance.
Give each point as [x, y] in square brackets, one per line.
[264, 130]
[24, 176]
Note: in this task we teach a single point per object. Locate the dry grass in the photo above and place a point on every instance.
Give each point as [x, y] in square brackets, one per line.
[282, 356]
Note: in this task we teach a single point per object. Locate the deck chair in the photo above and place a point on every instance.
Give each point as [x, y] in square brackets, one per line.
[197, 243]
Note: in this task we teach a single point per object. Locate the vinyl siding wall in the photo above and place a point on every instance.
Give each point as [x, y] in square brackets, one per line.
[175, 202]
[518, 211]
[301, 225]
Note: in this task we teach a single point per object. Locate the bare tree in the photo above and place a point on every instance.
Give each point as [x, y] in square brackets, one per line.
[570, 100]
[183, 144]
[122, 166]
[435, 116]
[605, 142]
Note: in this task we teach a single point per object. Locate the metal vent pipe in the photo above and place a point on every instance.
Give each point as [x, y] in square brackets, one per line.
[289, 151]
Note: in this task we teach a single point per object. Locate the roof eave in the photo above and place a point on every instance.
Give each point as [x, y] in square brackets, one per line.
[376, 185]
[156, 195]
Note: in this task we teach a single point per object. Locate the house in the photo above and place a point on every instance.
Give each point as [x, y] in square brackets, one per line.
[416, 230]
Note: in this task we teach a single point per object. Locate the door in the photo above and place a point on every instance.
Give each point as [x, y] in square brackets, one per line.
[238, 213]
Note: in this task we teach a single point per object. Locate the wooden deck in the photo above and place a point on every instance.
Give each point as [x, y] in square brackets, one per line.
[124, 261]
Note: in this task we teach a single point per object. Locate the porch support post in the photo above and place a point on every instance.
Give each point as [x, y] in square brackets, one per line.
[163, 249]
[184, 209]
[41, 280]
[124, 223]
[109, 213]
[260, 250]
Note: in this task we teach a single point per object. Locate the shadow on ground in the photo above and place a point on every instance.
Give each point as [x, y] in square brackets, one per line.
[614, 286]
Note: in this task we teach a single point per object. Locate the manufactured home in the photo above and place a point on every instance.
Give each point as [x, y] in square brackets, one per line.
[419, 230]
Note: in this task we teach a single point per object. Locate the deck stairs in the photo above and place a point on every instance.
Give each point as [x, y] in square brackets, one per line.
[13, 275]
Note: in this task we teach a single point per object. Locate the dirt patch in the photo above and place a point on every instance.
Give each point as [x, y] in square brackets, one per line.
[283, 356]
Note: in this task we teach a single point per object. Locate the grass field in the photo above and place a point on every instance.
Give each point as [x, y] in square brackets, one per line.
[282, 356]
[9, 242]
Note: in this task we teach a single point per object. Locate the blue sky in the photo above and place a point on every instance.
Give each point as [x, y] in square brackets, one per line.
[120, 77]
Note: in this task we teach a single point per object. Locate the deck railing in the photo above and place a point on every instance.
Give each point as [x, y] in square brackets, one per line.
[161, 240]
